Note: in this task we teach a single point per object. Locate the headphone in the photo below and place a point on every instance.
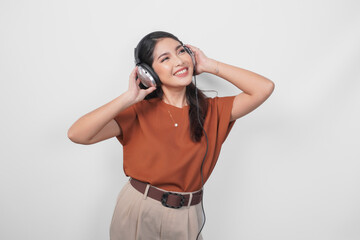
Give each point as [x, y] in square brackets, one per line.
[148, 76]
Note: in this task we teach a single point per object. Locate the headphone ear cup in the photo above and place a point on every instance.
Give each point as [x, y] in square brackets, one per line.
[188, 50]
[147, 75]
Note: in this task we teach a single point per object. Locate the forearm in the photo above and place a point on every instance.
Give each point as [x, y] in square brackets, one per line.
[87, 126]
[249, 82]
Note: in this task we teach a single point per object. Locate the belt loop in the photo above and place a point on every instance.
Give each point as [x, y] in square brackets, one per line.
[190, 199]
[146, 191]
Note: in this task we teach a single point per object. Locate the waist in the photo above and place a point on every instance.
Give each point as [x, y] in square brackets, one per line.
[167, 199]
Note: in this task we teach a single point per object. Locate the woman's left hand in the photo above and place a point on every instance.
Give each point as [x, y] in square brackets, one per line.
[203, 63]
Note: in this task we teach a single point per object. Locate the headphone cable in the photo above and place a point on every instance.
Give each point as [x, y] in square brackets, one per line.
[202, 163]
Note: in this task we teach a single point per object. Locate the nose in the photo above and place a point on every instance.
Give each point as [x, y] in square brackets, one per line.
[178, 61]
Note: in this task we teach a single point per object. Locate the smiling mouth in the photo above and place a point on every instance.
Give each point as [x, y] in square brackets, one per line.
[181, 72]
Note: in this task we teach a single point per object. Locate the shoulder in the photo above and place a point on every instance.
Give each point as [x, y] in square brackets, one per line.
[220, 101]
[147, 103]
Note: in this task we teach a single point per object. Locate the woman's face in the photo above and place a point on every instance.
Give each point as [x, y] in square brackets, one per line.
[172, 63]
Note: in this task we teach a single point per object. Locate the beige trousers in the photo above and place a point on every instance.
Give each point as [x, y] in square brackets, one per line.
[138, 217]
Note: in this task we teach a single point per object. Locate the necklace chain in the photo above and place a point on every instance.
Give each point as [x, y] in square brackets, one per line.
[175, 124]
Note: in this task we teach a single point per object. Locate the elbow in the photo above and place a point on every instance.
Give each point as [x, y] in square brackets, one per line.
[265, 91]
[75, 138]
[268, 88]
[72, 136]
[271, 87]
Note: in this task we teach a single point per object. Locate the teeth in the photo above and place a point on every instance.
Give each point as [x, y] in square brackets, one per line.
[181, 72]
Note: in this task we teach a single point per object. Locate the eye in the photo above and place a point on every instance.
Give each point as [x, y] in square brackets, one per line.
[165, 58]
[182, 50]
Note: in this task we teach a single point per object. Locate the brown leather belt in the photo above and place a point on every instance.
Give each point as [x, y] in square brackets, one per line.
[168, 199]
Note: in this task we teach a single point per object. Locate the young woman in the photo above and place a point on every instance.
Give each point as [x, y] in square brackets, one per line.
[171, 135]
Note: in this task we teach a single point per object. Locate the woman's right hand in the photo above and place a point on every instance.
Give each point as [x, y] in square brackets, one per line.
[134, 92]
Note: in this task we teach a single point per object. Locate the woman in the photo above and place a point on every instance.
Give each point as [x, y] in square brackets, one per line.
[171, 136]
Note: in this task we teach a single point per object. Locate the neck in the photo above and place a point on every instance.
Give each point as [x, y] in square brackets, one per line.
[176, 98]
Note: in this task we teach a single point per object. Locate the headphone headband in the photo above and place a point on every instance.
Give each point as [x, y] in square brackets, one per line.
[137, 60]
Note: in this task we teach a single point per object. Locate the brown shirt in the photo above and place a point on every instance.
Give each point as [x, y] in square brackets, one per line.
[157, 152]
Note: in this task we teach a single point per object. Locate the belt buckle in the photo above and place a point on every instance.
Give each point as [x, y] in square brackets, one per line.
[165, 196]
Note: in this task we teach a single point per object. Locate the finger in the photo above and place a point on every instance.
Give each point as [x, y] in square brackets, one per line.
[144, 92]
[190, 46]
[134, 72]
[193, 48]
[132, 77]
[138, 81]
[150, 90]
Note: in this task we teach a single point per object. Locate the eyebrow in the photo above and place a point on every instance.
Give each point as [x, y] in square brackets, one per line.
[165, 53]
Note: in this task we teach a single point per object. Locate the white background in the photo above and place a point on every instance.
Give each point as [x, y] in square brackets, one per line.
[289, 170]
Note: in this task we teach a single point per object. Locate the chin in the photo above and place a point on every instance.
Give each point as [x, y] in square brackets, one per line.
[182, 82]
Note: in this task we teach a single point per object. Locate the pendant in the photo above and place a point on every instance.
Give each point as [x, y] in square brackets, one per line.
[175, 124]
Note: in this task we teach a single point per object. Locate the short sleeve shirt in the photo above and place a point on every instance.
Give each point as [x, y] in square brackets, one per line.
[162, 154]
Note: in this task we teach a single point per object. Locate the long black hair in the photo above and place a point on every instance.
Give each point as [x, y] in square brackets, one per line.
[145, 50]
